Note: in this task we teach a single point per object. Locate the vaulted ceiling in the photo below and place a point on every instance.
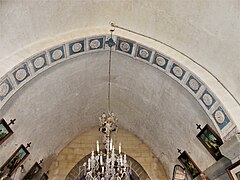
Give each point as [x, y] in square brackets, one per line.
[64, 98]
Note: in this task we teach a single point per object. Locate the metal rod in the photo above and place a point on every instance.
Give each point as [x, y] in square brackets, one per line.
[109, 78]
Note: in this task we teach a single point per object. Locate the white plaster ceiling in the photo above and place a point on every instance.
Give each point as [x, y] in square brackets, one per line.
[61, 103]
[67, 99]
[207, 31]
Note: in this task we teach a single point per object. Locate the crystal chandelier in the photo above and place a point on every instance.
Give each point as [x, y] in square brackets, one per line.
[107, 164]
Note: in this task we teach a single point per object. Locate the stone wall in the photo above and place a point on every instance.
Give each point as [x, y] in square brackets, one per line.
[83, 144]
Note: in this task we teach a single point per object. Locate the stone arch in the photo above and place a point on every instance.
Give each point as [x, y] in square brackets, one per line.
[194, 79]
[144, 163]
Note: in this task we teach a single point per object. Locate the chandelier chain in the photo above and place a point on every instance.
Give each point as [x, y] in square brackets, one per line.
[107, 164]
[109, 78]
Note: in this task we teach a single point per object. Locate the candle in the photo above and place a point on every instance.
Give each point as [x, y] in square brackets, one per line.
[107, 160]
[92, 156]
[103, 170]
[112, 151]
[97, 146]
[89, 163]
[110, 144]
[121, 160]
[120, 149]
[125, 159]
[101, 159]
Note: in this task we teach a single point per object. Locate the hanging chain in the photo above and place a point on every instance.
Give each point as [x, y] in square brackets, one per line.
[109, 76]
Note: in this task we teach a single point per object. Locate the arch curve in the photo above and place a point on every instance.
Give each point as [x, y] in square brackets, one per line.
[216, 102]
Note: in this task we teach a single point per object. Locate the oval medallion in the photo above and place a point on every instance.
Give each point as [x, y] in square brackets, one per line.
[177, 71]
[194, 85]
[4, 89]
[207, 99]
[39, 62]
[21, 74]
[76, 47]
[95, 44]
[57, 54]
[219, 116]
[144, 53]
[124, 46]
[160, 61]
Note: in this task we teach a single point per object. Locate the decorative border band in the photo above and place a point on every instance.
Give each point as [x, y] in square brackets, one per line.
[40, 62]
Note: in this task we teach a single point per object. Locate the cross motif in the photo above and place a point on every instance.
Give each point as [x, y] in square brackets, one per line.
[199, 126]
[12, 121]
[28, 145]
[179, 151]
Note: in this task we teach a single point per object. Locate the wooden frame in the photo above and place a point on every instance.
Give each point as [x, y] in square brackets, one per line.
[211, 141]
[32, 172]
[5, 131]
[15, 160]
[234, 171]
[44, 176]
[189, 164]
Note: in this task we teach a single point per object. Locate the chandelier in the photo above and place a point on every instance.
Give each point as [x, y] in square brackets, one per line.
[109, 163]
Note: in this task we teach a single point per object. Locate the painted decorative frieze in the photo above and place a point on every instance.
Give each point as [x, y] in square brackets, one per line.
[31, 67]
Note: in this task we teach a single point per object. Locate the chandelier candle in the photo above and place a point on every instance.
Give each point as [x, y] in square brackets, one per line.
[120, 148]
[97, 147]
